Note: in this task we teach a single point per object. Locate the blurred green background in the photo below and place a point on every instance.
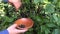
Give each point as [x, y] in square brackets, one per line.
[44, 13]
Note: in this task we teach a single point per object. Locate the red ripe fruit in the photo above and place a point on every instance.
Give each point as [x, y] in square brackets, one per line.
[24, 22]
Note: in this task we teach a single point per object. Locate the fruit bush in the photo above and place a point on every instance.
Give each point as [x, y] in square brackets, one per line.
[44, 13]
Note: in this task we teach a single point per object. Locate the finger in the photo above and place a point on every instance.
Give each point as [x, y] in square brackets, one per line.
[14, 25]
[17, 5]
[22, 31]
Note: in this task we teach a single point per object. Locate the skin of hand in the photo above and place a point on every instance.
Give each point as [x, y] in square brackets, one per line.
[12, 29]
[16, 3]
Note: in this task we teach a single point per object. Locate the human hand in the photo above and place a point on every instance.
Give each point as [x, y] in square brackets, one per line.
[16, 3]
[12, 29]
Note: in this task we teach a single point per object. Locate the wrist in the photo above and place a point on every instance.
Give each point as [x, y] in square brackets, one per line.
[9, 31]
[4, 32]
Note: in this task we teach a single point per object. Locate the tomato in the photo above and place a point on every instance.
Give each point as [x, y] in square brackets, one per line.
[24, 22]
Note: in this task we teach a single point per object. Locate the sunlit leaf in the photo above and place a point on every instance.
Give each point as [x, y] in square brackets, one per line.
[49, 8]
[56, 31]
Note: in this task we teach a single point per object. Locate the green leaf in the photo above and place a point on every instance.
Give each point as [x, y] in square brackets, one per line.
[47, 31]
[55, 17]
[56, 31]
[7, 19]
[55, 1]
[58, 4]
[36, 1]
[37, 18]
[40, 1]
[49, 8]
[0, 1]
[43, 28]
[43, 1]
[51, 25]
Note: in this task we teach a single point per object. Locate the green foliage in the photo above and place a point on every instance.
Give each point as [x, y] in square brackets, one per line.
[44, 13]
